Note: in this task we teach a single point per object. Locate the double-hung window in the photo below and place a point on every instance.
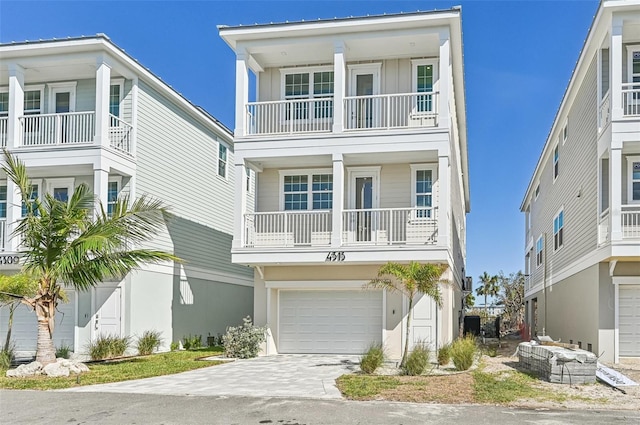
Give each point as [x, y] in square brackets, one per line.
[423, 181]
[634, 179]
[4, 104]
[539, 251]
[556, 162]
[32, 102]
[34, 193]
[558, 231]
[307, 88]
[3, 204]
[112, 197]
[307, 191]
[424, 79]
[222, 160]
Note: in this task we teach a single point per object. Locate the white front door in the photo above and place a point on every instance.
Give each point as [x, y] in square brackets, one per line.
[107, 319]
[365, 84]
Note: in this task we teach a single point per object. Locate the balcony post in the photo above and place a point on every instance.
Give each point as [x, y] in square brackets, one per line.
[242, 93]
[443, 203]
[338, 200]
[16, 105]
[103, 83]
[444, 77]
[615, 190]
[101, 186]
[616, 70]
[14, 213]
[134, 115]
[339, 87]
[240, 206]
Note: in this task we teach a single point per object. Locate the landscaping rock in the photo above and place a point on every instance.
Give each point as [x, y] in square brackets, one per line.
[55, 369]
[62, 367]
[33, 368]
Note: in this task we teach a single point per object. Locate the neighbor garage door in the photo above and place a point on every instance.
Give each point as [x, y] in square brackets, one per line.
[629, 314]
[341, 322]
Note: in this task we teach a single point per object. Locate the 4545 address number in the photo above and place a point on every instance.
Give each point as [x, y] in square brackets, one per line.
[335, 256]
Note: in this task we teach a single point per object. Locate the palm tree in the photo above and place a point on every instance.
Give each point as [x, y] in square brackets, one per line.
[409, 281]
[13, 289]
[489, 286]
[78, 243]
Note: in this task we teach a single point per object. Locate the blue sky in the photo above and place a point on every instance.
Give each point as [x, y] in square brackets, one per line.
[518, 59]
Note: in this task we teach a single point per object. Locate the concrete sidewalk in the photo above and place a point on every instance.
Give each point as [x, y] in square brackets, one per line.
[305, 376]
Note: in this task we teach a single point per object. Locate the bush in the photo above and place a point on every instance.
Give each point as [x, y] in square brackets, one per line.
[7, 357]
[444, 354]
[192, 342]
[64, 351]
[108, 346]
[149, 342]
[462, 352]
[174, 346]
[417, 361]
[243, 342]
[372, 359]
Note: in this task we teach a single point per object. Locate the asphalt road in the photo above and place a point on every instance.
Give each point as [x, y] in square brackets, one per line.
[40, 407]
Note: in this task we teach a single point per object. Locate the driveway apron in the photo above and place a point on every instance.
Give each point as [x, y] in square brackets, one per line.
[306, 376]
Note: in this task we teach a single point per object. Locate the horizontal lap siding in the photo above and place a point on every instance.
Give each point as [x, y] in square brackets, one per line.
[177, 161]
[578, 173]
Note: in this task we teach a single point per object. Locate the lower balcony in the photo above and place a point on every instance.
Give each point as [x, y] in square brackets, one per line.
[67, 129]
[359, 227]
[630, 224]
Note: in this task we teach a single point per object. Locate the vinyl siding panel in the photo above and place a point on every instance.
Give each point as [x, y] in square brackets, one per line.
[86, 95]
[577, 174]
[177, 161]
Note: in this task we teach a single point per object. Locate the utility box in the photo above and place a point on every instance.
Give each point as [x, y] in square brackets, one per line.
[472, 325]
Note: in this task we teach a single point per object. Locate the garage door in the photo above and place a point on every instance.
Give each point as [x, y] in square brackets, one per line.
[629, 317]
[25, 326]
[340, 322]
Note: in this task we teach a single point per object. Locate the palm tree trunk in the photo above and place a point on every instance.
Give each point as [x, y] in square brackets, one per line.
[45, 351]
[7, 341]
[406, 339]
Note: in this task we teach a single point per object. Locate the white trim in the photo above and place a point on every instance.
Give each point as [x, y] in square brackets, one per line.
[309, 172]
[65, 87]
[630, 50]
[630, 161]
[433, 167]
[353, 173]
[302, 70]
[313, 285]
[414, 73]
[384, 317]
[225, 161]
[117, 82]
[625, 280]
[540, 238]
[76, 328]
[555, 162]
[168, 268]
[65, 182]
[561, 210]
[374, 68]
[35, 87]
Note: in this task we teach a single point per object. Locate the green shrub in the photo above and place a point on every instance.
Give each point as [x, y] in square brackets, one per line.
[192, 342]
[463, 351]
[418, 360]
[372, 359]
[108, 346]
[243, 342]
[492, 351]
[149, 342]
[7, 357]
[64, 351]
[175, 346]
[444, 354]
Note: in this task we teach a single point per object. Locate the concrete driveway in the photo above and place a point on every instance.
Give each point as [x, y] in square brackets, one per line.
[306, 376]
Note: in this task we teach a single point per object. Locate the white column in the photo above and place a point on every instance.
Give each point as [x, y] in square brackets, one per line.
[134, 115]
[616, 70]
[103, 82]
[242, 92]
[16, 105]
[444, 77]
[101, 185]
[616, 323]
[14, 213]
[338, 200]
[444, 200]
[240, 204]
[339, 87]
[615, 190]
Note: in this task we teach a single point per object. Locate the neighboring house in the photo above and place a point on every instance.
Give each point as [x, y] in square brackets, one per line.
[356, 129]
[80, 110]
[582, 206]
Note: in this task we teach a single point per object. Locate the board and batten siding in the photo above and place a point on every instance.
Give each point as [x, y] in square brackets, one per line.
[578, 175]
[177, 161]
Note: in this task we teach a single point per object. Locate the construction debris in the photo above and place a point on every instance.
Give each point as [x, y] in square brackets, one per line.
[558, 364]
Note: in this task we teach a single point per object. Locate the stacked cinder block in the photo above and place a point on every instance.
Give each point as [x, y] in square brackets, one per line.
[558, 364]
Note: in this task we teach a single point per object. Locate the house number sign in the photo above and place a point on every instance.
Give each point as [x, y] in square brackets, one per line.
[9, 259]
[335, 256]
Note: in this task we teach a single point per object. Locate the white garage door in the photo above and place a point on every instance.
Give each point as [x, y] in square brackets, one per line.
[25, 326]
[629, 316]
[329, 322]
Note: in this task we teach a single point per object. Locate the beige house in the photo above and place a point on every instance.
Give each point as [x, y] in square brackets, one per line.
[356, 131]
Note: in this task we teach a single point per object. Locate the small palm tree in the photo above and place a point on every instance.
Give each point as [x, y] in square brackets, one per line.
[78, 243]
[489, 286]
[411, 280]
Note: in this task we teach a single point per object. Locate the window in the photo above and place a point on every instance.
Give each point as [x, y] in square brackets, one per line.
[114, 100]
[424, 79]
[112, 197]
[558, 231]
[222, 160]
[248, 171]
[539, 251]
[309, 85]
[32, 102]
[33, 195]
[565, 133]
[297, 191]
[424, 192]
[634, 179]
[536, 192]
[556, 160]
[4, 104]
[3, 202]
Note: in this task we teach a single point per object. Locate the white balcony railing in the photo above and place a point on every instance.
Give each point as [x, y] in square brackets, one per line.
[283, 229]
[3, 131]
[120, 134]
[603, 228]
[387, 111]
[290, 116]
[631, 99]
[604, 111]
[390, 226]
[58, 129]
[630, 216]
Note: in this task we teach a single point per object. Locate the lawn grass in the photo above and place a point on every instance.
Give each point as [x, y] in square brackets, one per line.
[122, 370]
[507, 387]
[362, 387]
